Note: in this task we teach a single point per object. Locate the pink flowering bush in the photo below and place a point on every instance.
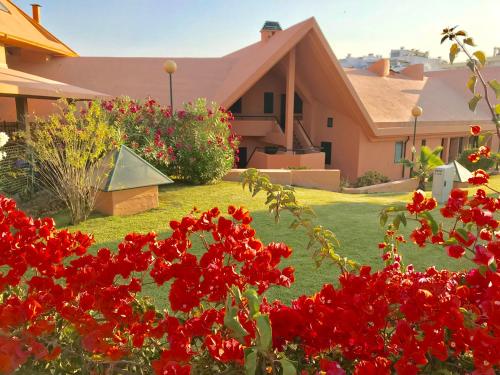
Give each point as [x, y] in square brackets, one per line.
[195, 144]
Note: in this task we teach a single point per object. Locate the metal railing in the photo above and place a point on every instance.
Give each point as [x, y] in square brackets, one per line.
[15, 171]
[297, 119]
[10, 127]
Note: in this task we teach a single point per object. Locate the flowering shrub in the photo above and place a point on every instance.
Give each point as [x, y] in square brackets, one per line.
[196, 144]
[68, 154]
[4, 138]
[63, 308]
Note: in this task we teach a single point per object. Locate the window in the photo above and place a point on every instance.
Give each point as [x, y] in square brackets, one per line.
[297, 104]
[460, 145]
[473, 141]
[268, 102]
[3, 7]
[242, 154]
[236, 107]
[329, 122]
[399, 152]
[326, 147]
[424, 142]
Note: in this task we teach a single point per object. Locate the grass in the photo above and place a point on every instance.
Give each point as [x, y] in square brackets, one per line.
[353, 218]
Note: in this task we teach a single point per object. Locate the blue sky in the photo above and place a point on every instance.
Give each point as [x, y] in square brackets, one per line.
[193, 28]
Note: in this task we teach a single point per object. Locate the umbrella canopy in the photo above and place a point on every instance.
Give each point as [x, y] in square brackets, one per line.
[17, 83]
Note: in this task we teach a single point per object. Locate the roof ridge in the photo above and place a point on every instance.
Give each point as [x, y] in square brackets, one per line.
[41, 29]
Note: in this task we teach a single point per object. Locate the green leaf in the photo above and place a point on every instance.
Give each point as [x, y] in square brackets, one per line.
[471, 83]
[454, 50]
[396, 222]
[265, 332]
[237, 294]
[473, 102]
[253, 301]
[403, 218]
[481, 57]
[463, 233]
[232, 322]
[250, 361]
[383, 218]
[471, 64]
[444, 38]
[288, 367]
[469, 41]
[497, 109]
[432, 221]
[495, 85]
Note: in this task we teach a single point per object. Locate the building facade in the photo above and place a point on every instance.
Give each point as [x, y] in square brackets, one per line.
[295, 105]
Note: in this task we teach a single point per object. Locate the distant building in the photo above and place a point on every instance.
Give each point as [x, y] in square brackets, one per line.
[401, 58]
[493, 60]
[362, 62]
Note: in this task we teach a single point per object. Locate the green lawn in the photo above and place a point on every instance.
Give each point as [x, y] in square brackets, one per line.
[354, 219]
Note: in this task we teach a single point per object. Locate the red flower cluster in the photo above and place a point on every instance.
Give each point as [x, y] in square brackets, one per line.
[60, 301]
[475, 129]
[420, 203]
[479, 177]
[60, 282]
[389, 320]
[483, 151]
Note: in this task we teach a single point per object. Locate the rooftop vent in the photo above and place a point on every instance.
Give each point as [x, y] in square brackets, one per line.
[269, 29]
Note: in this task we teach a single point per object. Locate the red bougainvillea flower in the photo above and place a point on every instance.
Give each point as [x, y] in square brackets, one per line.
[479, 177]
[475, 129]
[455, 251]
[420, 203]
[330, 367]
[474, 157]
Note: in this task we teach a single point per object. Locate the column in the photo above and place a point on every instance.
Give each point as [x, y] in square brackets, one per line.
[446, 150]
[22, 113]
[290, 94]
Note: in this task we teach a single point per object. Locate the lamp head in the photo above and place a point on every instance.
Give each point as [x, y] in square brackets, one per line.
[417, 111]
[170, 66]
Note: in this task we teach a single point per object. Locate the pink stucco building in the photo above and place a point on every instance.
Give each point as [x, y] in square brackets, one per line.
[294, 104]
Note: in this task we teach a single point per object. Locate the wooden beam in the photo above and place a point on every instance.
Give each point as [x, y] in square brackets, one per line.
[22, 115]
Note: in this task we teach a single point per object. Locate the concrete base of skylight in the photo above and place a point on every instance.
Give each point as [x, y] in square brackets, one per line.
[127, 202]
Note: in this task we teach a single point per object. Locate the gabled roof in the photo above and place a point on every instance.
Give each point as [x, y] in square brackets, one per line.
[442, 94]
[20, 30]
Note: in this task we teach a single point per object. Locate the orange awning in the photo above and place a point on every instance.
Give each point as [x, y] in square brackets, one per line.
[16, 83]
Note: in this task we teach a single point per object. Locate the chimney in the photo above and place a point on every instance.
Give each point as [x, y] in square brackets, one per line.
[381, 67]
[415, 71]
[269, 29]
[35, 10]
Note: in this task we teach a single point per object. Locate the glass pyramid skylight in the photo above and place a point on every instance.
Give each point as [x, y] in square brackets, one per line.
[130, 171]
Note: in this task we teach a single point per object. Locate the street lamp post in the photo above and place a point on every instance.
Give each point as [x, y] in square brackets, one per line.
[416, 112]
[170, 67]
